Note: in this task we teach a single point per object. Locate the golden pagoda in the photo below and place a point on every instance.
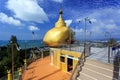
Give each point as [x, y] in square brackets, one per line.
[59, 35]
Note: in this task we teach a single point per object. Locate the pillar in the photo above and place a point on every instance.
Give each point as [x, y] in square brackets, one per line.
[9, 75]
[51, 53]
[25, 64]
[20, 73]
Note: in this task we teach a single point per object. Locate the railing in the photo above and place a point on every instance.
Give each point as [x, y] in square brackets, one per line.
[32, 59]
[116, 65]
[78, 67]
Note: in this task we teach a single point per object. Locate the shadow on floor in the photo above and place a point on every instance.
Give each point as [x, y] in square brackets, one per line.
[32, 78]
[49, 74]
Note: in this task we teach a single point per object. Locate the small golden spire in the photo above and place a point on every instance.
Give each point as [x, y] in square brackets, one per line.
[60, 22]
[61, 12]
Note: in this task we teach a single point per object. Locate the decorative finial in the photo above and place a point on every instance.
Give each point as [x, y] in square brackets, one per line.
[60, 22]
[61, 12]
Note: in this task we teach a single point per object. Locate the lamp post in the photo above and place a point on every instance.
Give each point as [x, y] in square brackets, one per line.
[90, 36]
[25, 60]
[12, 45]
[70, 39]
[33, 36]
[109, 36]
[74, 32]
[33, 55]
[12, 63]
[85, 20]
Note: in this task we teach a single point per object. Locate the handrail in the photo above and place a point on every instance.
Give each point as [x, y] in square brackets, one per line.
[75, 71]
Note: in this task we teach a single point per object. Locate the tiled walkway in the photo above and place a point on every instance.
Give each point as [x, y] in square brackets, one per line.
[42, 70]
[99, 54]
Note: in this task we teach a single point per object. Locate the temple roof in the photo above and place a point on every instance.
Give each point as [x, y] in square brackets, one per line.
[58, 35]
[60, 22]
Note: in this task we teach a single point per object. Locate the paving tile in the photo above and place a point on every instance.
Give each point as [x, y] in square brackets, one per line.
[42, 70]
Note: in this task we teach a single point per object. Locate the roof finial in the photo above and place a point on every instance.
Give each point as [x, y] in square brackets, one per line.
[60, 22]
[61, 12]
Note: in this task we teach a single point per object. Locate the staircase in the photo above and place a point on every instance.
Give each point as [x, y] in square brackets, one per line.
[95, 70]
[96, 67]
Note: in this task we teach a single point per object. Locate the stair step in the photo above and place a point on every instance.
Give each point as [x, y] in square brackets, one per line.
[98, 69]
[84, 76]
[94, 74]
[100, 64]
[95, 70]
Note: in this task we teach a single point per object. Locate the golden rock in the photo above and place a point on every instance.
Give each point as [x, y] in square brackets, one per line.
[59, 35]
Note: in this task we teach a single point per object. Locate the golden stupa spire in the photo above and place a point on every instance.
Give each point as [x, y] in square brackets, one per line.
[60, 22]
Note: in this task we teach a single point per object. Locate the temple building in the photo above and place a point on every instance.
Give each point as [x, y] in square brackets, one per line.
[59, 36]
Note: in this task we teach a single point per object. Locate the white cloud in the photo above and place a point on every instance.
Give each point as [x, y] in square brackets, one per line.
[78, 20]
[68, 22]
[104, 20]
[78, 30]
[27, 10]
[93, 20]
[59, 1]
[33, 28]
[10, 20]
[111, 26]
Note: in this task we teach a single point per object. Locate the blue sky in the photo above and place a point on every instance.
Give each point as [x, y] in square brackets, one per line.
[21, 17]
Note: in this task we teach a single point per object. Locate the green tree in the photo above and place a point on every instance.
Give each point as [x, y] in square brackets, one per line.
[13, 39]
[6, 60]
[3, 61]
[6, 57]
[112, 42]
[13, 43]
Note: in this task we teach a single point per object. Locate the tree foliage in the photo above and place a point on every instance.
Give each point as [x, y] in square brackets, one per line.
[6, 56]
[13, 39]
[112, 42]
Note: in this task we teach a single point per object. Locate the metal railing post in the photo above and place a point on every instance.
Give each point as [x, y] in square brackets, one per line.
[12, 62]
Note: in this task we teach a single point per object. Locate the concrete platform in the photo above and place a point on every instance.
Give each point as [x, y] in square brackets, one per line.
[43, 70]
